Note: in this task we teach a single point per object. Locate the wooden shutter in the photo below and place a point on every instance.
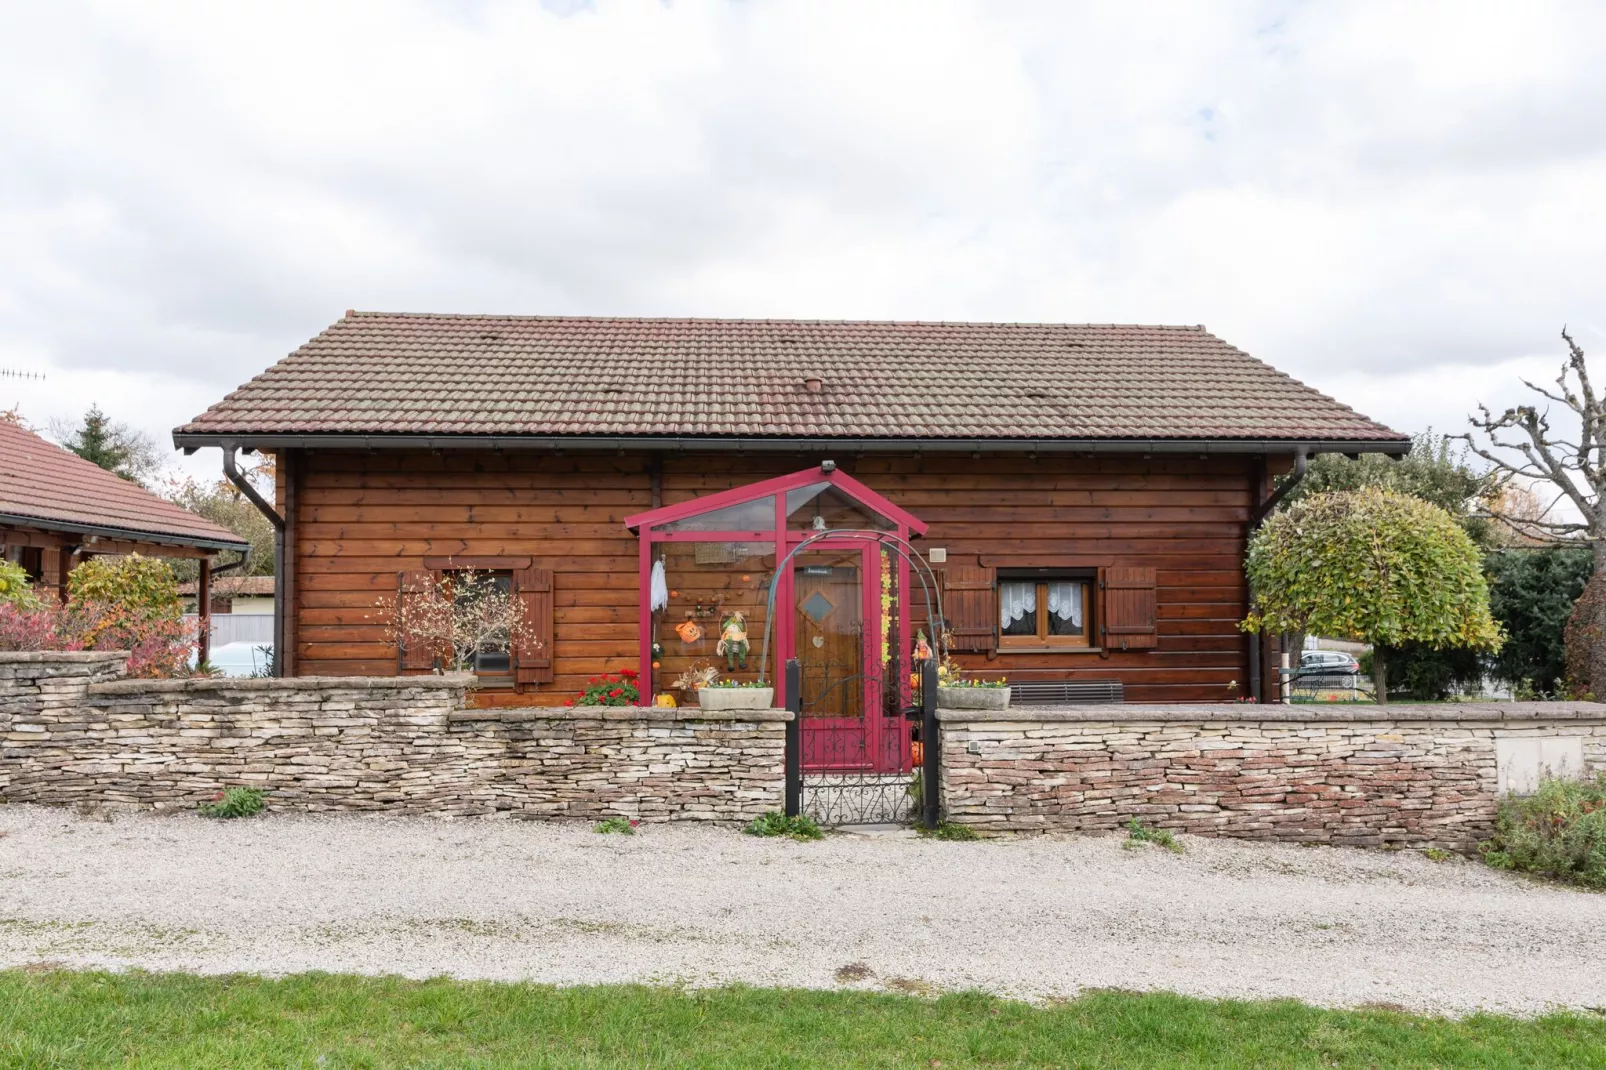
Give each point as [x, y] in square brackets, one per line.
[971, 606]
[415, 654]
[1129, 608]
[532, 659]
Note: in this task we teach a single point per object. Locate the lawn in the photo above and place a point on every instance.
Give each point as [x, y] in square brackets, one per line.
[61, 1019]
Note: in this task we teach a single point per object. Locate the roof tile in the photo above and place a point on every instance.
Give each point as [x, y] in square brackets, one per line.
[390, 373]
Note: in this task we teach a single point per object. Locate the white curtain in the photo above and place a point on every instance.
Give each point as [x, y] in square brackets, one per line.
[1015, 600]
[1065, 602]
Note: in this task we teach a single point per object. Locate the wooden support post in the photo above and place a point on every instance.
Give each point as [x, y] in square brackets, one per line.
[203, 606]
[794, 738]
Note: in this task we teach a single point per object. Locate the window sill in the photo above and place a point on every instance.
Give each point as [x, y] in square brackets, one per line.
[1002, 650]
[494, 683]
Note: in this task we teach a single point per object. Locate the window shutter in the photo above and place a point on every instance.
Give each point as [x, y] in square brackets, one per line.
[532, 661]
[1129, 608]
[971, 607]
[417, 654]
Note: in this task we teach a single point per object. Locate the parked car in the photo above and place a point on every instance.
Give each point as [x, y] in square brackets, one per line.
[1328, 661]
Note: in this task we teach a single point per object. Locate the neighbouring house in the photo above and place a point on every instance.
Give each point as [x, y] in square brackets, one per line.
[57, 509]
[241, 613]
[1082, 494]
[234, 594]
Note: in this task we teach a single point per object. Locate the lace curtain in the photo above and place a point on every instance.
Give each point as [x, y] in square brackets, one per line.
[1065, 602]
[1017, 600]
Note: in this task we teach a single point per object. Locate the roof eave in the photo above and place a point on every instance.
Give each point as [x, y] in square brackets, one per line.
[190, 441]
[109, 531]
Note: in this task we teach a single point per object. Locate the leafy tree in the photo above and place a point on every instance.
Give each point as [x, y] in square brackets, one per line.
[116, 447]
[1372, 565]
[1531, 593]
[1433, 471]
[223, 504]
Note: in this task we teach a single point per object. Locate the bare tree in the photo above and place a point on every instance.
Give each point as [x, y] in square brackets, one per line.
[1528, 452]
[458, 615]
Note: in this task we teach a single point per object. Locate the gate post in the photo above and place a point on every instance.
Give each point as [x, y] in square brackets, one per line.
[794, 738]
[930, 747]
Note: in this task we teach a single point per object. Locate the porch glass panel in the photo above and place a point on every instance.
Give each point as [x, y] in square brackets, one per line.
[755, 515]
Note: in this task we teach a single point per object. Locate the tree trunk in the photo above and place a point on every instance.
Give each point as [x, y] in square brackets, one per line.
[1380, 679]
[1597, 630]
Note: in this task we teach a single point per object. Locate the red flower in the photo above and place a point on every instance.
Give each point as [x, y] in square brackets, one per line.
[568, 702]
[615, 693]
[629, 674]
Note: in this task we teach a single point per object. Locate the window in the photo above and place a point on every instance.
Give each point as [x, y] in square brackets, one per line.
[1044, 611]
[494, 656]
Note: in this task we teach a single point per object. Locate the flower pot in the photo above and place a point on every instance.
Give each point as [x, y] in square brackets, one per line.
[735, 698]
[973, 698]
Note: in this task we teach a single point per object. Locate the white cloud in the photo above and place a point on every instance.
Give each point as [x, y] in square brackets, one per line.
[1399, 203]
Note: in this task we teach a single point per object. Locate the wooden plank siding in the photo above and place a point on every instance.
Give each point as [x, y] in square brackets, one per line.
[359, 517]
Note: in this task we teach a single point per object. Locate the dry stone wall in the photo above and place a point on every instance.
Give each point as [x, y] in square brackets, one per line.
[72, 731]
[1422, 776]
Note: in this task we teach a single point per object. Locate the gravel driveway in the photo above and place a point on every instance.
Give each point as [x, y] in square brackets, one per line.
[1033, 918]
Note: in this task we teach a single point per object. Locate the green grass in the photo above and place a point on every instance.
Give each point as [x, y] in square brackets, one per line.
[62, 1019]
[1137, 833]
[235, 802]
[774, 823]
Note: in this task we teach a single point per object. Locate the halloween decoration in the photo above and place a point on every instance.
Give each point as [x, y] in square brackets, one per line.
[922, 646]
[733, 641]
[689, 631]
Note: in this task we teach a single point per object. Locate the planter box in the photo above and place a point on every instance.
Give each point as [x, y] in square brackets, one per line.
[973, 698]
[735, 698]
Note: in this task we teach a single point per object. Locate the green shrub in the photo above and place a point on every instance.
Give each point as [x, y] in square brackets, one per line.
[142, 586]
[1557, 832]
[1137, 833]
[620, 825]
[774, 823]
[15, 589]
[235, 802]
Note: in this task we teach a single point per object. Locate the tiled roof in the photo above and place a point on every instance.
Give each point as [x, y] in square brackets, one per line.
[384, 373]
[48, 486]
[235, 587]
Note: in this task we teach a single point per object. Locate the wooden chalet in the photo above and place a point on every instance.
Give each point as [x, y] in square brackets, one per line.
[1082, 495]
[57, 509]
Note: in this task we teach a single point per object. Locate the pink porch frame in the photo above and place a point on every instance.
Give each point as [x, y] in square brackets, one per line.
[646, 524]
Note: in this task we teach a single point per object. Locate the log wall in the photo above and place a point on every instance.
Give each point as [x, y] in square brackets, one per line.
[360, 517]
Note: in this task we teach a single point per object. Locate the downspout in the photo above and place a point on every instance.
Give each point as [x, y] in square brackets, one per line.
[1256, 641]
[232, 471]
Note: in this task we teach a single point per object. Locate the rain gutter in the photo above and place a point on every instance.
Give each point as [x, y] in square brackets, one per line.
[189, 442]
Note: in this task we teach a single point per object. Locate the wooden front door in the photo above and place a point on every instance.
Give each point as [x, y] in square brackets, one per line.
[829, 643]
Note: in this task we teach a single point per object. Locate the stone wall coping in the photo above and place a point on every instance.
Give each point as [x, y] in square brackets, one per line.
[1301, 713]
[517, 714]
[60, 657]
[250, 685]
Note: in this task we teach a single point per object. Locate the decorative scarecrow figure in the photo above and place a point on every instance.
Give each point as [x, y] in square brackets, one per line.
[922, 646]
[733, 641]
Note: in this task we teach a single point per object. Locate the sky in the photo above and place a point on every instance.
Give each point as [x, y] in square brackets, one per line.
[1400, 204]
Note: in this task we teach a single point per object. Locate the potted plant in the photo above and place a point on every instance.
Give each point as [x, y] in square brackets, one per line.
[958, 694]
[736, 695]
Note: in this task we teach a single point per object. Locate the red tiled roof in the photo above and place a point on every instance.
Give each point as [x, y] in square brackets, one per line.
[235, 587]
[45, 486]
[383, 373]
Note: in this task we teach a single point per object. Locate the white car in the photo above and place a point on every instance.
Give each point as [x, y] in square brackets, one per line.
[243, 659]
